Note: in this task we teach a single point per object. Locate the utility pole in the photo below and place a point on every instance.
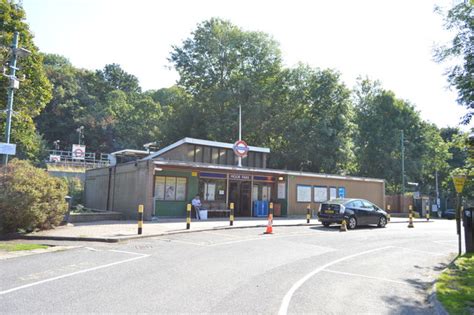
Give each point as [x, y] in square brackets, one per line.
[13, 83]
[403, 170]
[11, 90]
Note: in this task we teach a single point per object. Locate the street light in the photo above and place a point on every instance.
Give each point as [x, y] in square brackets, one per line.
[14, 83]
[80, 131]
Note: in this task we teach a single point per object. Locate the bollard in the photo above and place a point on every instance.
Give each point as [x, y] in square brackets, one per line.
[410, 217]
[343, 226]
[188, 216]
[140, 219]
[231, 217]
[308, 214]
[427, 213]
[271, 208]
[388, 213]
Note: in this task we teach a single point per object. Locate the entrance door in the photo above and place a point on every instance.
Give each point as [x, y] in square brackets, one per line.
[240, 195]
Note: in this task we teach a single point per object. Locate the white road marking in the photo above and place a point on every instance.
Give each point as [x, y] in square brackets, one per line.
[287, 298]
[421, 251]
[76, 273]
[364, 276]
[125, 252]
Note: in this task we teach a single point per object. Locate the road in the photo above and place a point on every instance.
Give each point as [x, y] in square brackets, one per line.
[296, 270]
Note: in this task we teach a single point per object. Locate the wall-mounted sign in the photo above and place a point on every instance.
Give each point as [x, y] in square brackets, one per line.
[239, 177]
[341, 193]
[241, 148]
[78, 151]
[54, 158]
[264, 178]
[7, 148]
[212, 175]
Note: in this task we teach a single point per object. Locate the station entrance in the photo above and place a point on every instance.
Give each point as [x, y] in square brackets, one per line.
[240, 195]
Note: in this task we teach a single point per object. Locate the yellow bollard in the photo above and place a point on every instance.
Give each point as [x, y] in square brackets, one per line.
[308, 214]
[140, 219]
[343, 226]
[410, 217]
[231, 217]
[188, 216]
[388, 213]
[427, 213]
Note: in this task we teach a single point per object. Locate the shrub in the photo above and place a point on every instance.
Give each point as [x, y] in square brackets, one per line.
[30, 198]
[75, 189]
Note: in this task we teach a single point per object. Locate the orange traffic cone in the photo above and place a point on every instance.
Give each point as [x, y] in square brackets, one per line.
[269, 225]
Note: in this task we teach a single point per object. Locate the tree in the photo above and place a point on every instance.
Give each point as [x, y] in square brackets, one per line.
[312, 130]
[223, 67]
[381, 118]
[461, 76]
[35, 90]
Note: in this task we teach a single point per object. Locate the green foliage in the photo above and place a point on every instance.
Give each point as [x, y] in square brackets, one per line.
[30, 198]
[19, 247]
[381, 117]
[460, 19]
[35, 90]
[75, 189]
[455, 286]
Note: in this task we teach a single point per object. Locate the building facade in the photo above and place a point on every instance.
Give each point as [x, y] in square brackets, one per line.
[166, 180]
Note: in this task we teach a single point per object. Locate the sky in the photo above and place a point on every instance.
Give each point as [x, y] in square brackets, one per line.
[389, 41]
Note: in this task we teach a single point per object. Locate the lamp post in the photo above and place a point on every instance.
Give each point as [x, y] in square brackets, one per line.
[14, 83]
[80, 132]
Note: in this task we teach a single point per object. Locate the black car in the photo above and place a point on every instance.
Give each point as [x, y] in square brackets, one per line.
[449, 214]
[354, 211]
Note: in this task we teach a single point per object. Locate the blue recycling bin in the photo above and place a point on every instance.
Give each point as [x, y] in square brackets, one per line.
[260, 208]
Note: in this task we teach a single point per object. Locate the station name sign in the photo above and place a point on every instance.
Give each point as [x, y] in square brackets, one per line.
[7, 148]
[240, 177]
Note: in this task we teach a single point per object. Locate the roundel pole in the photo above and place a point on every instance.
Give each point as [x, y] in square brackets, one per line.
[240, 132]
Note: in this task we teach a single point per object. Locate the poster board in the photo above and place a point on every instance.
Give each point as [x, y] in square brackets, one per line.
[332, 193]
[281, 190]
[180, 188]
[320, 193]
[303, 193]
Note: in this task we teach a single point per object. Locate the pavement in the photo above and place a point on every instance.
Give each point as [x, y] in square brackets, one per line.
[299, 269]
[116, 231]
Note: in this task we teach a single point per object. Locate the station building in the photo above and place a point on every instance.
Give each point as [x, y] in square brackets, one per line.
[166, 180]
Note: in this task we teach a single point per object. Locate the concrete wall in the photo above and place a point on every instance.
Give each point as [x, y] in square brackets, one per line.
[373, 191]
[131, 184]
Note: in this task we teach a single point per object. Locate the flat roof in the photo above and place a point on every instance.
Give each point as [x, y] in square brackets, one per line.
[235, 168]
[202, 142]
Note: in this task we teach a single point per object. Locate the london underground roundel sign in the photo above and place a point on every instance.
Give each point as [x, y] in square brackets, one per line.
[241, 148]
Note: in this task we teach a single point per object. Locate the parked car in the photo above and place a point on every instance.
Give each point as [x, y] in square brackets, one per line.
[354, 211]
[449, 214]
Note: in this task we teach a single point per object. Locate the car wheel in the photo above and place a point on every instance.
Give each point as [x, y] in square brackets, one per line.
[382, 222]
[326, 224]
[352, 223]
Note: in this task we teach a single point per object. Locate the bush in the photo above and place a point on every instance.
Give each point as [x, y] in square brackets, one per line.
[75, 189]
[30, 198]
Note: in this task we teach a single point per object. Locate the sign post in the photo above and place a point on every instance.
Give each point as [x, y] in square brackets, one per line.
[459, 181]
[241, 149]
[78, 151]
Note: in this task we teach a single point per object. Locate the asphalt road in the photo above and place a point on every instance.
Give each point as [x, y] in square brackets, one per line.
[295, 270]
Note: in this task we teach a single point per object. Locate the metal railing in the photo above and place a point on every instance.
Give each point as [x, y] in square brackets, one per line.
[67, 158]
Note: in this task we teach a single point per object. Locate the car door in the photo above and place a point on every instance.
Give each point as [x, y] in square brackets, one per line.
[358, 207]
[372, 215]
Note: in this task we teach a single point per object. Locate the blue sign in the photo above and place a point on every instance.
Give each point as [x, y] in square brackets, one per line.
[341, 192]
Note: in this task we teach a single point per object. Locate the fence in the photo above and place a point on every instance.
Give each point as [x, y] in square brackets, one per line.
[396, 202]
[67, 159]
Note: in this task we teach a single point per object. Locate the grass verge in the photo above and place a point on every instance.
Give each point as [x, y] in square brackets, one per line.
[455, 286]
[18, 247]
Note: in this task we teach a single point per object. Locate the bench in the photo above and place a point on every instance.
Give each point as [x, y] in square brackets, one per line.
[218, 213]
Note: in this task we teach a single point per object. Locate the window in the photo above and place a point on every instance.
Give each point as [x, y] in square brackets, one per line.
[230, 157]
[215, 156]
[354, 204]
[367, 205]
[303, 193]
[212, 189]
[320, 193]
[251, 159]
[198, 153]
[222, 156]
[170, 188]
[258, 159]
[207, 155]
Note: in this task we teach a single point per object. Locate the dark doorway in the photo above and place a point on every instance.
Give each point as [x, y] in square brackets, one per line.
[240, 195]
